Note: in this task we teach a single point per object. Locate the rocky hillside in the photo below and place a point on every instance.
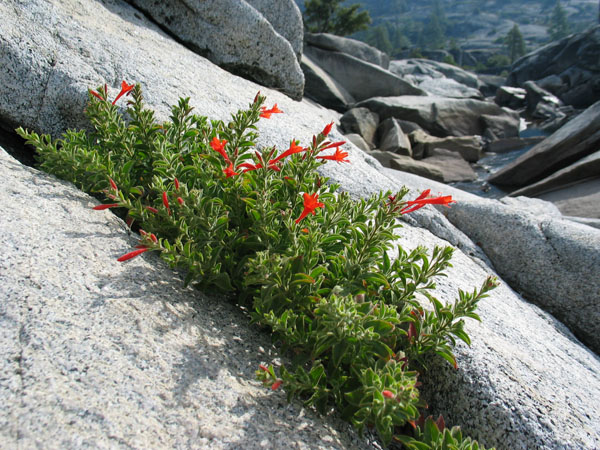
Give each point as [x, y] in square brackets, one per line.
[475, 26]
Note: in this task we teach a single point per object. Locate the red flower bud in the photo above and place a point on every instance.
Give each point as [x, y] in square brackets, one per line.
[275, 385]
[176, 183]
[388, 394]
[133, 254]
[180, 200]
[102, 207]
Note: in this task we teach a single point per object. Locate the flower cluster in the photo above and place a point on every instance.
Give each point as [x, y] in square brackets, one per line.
[307, 261]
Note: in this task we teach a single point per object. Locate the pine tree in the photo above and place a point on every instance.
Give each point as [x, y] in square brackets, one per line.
[379, 37]
[328, 16]
[434, 36]
[514, 43]
[559, 25]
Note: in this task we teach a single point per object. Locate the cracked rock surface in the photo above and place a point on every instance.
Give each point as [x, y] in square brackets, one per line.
[98, 354]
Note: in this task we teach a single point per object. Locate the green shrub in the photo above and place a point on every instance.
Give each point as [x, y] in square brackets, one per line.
[310, 263]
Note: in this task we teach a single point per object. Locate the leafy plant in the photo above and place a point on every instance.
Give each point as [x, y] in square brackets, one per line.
[311, 264]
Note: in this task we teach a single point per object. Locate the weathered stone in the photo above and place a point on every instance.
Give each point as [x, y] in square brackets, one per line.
[442, 116]
[120, 355]
[490, 84]
[437, 78]
[358, 49]
[551, 83]
[358, 140]
[515, 346]
[535, 94]
[510, 144]
[574, 59]
[453, 167]
[588, 167]
[447, 87]
[578, 138]
[286, 19]
[581, 199]
[391, 138]
[554, 263]
[423, 169]
[360, 78]
[501, 126]
[468, 147]
[512, 97]
[435, 69]
[236, 36]
[361, 121]
[323, 89]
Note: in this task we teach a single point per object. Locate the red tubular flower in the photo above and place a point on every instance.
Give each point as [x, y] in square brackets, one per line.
[294, 148]
[125, 90]
[249, 167]
[113, 184]
[151, 209]
[219, 147]
[310, 204]
[327, 129]
[261, 366]
[332, 145]
[180, 200]
[388, 394]
[338, 156]
[176, 183]
[266, 113]
[165, 200]
[133, 254]
[424, 199]
[154, 238]
[102, 207]
[95, 94]
[229, 172]
[275, 385]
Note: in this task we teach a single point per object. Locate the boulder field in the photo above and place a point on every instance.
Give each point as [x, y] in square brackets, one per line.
[101, 354]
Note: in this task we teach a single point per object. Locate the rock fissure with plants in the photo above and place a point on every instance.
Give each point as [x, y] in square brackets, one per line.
[308, 262]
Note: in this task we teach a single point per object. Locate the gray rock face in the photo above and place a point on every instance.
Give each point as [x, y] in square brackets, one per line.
[574, 59]
[578, 138]
[108, 355]
[358, 49]
[512, 97]
[580, 201]
[286, 19]
[235, 35]
[392, 138]
[453, 167]
[438, 79]
[516, 345]
[588, 167]
[442, 116]
[360, 78]
[554, 263]
[435, 69]
[358, 140]
[323, 89]
[446, 87]
[510, 144]
[468, 147]
[361, 121]
[407, 164]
